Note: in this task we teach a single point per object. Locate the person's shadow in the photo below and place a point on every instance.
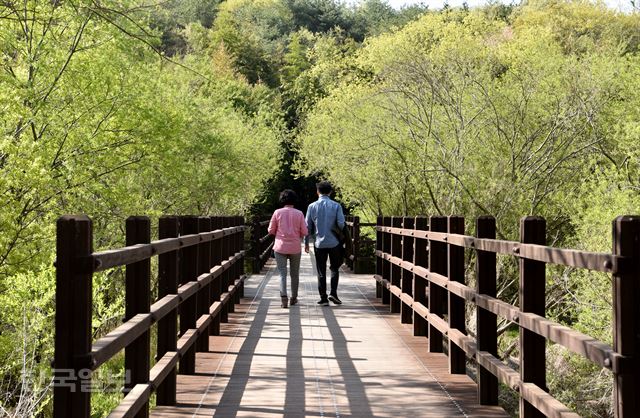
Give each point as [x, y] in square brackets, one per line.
[295, 401]
[353, 384]
[231, 398]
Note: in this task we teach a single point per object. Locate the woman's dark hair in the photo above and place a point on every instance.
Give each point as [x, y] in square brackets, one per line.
[324, 187]
[288, 197]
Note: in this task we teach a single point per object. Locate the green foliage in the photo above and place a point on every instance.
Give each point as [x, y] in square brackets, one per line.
[465, 103]
[171, 18]
[362, 20]
[579, 384]
[189, 11]
[375, 17]
[582, 27]
[103, 118]
[251, 31]
[314, 65]
[508, 112]
[26, 341]
[295, 60]
[605, 196]
[95, 122]
[320, 15]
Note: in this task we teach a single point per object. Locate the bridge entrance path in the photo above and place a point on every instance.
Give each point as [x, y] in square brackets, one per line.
[353, 360]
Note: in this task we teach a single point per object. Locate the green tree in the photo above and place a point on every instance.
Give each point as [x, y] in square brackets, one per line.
[476, 112]
[320, 16]
[96, 121]
[253, 33]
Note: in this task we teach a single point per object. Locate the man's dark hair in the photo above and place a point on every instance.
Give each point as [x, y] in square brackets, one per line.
[288, 197]
[324, 187]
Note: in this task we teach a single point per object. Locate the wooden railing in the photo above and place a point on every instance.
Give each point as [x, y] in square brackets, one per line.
[200, 277]
[358, 261]
[261, 244]
[421, 275]
[353, 224]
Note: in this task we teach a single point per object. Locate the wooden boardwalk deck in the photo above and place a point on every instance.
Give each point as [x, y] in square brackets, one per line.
[354, 360]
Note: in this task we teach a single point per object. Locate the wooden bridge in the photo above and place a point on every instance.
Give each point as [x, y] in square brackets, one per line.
[398, 346]
[311, 360]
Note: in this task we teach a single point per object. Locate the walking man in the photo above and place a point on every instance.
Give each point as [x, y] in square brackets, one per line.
[322, 216]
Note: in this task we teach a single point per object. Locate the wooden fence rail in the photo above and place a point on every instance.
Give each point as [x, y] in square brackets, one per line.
[420, 274]
[359, 261]
[200, 277]
[353, 224]
[261, 244]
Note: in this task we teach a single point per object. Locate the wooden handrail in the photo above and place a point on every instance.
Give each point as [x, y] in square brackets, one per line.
[395, 267]
[107, 346]
[212, 282]
[105, 260]
[603, 262]
[261, 243]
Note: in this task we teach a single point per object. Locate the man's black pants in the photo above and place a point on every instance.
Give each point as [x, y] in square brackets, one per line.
[335, 261]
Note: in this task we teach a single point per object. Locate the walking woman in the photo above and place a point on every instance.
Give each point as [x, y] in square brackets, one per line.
[289, 227]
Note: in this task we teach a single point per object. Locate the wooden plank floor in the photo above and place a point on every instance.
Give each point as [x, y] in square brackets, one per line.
[354, 360]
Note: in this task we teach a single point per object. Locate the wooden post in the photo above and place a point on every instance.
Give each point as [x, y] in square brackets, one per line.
[255, 246]
[216, 284]
[386, 265]
[263, 246]
[241, 272]
[437, 295]
[234, 249]
[204, 294]
[188, 308]
[231, 244]
[356, 243]
[239, 248]
[457, 356]
[74, 242]
[379, 260]
[224, 278]
[396, 271]
[265, 230]
[168, 326]
[347, 259]
[420, 258]
[406, 312]
[626, 316]
[532, 299]
[487, 322]
[138, 300]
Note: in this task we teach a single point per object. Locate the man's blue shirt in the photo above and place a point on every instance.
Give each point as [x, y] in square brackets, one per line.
[321, 216]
